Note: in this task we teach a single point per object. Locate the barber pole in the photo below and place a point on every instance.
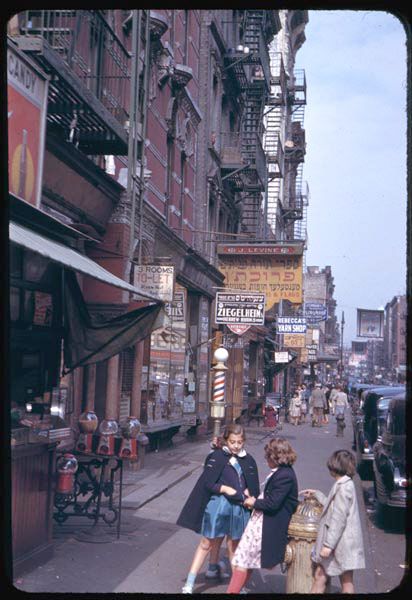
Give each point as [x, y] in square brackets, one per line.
[217, 404]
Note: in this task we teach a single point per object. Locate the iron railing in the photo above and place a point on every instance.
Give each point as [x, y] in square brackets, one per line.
[89, 46]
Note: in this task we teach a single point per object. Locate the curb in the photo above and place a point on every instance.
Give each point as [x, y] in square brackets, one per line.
[158, 493]
[369, 573]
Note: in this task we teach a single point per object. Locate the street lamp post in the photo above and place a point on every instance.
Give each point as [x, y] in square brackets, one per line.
[342, 324]
[217, 404]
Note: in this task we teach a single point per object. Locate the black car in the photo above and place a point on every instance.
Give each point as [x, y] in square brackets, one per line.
[389, 458]
[366, 425]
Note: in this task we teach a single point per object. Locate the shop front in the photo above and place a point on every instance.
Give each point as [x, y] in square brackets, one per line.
[44, 405]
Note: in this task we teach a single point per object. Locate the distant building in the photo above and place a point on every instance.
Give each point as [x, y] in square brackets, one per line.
[319, 289]
[394, 341]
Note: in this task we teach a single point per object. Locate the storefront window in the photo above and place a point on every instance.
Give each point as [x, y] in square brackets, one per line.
[35, 267]
[167, 363]
[14, 304]
[204, 360]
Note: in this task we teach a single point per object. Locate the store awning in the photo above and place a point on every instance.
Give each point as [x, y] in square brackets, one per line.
[69, 258]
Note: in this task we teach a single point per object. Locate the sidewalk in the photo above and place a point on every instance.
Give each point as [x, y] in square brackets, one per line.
[82, 560]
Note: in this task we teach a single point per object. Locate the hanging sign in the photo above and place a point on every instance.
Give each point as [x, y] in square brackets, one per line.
[272, 269]
[239, 329]
[294, 341]
[291, 325]
[233, 308]
[315, 312]
[155, 280]
[282, 357]
[176, 310]
[312, 350]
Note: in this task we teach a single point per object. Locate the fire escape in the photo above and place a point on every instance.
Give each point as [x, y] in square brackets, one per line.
[273, 145]
[295, 147]
[249, 66]
[89, 71]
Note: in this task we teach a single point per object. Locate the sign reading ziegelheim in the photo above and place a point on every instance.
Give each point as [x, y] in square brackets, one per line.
[239, 308]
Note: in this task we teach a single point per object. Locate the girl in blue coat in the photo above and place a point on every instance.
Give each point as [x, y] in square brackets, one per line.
[264, 540]
[215, 506]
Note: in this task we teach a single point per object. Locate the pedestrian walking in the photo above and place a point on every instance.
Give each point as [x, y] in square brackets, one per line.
[294, 408]
[332, 395]
[303, 405]
[318, 404]
[340, 405]
[339, 546]
[264, 540]
[340, 401]
[326, 411]
[215, 507]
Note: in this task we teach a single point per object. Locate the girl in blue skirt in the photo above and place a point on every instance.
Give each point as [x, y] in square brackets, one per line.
[215, 506]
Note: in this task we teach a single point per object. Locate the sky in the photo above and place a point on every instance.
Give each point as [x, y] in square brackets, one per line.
[355, 164]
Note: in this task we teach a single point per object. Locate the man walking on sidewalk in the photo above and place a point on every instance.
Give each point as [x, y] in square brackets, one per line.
[340, 401]
[318, 403]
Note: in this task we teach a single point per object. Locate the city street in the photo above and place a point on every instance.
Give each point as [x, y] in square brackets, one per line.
[153, 554]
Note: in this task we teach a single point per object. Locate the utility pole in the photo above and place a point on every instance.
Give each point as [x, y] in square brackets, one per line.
[342, 325]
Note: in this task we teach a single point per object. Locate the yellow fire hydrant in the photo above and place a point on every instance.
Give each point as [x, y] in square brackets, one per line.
[302, 532]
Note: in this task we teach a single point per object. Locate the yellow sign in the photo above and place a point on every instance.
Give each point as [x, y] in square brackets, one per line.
[294, 341]
[279, 277]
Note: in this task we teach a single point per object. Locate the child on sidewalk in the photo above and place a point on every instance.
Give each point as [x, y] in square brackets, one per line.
[215, 506]
[339, 545]
[264, 540]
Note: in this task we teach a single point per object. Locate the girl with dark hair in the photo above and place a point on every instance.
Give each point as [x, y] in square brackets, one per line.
[215, 506]
[264, 540]
[339, 545]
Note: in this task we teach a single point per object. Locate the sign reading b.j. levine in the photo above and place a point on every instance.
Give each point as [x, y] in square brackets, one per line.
[246, 309]
[291, 325]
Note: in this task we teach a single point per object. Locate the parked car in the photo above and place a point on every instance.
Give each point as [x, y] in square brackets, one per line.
[366, 426]
[389, 458]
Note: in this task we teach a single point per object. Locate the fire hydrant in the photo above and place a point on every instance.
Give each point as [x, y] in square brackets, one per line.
[302, 532]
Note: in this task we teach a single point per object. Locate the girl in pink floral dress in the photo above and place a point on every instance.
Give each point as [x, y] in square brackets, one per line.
[264, 539]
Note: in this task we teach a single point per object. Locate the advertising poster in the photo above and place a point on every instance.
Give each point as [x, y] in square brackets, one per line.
[26, 122]
[370, 323]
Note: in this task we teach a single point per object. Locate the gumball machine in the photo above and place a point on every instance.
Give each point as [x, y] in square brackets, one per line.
[130, 430]
[66, 466]
[88, 423]
[107, 429]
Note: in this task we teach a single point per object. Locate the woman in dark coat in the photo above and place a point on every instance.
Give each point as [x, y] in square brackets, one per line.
[264, 540]
[215, 506]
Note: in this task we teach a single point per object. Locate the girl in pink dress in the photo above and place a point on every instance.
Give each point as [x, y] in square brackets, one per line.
[264, 540]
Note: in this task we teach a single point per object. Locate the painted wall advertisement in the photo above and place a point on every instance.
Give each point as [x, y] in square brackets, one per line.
[26, 118]
[272, 269]
[370, 323]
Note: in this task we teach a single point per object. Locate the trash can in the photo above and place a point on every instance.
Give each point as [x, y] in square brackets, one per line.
[302, 533]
